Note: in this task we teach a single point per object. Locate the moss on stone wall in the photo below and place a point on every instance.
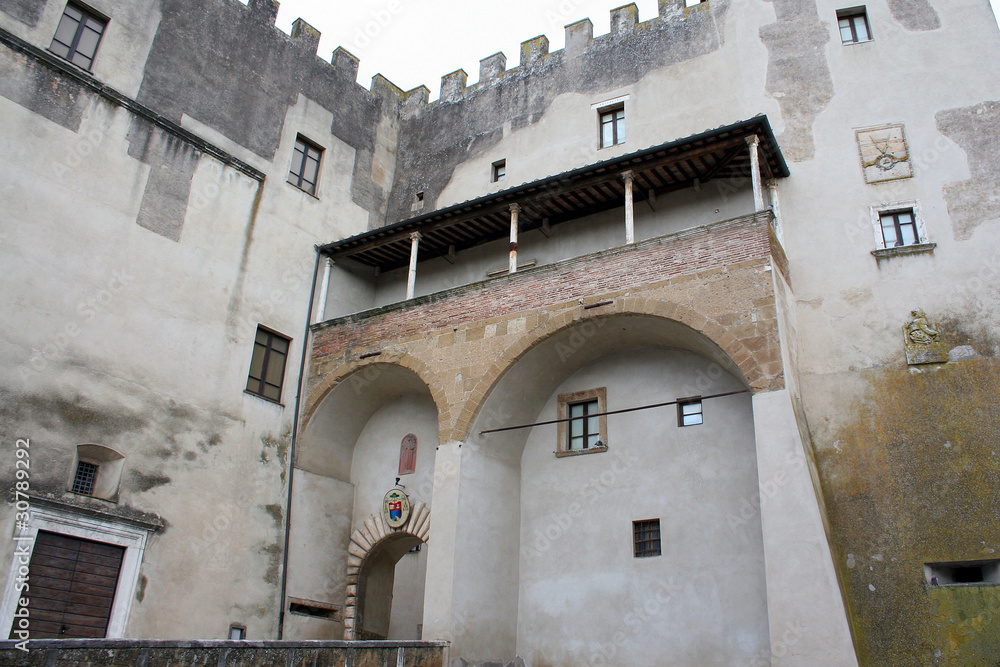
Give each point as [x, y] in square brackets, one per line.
[913, 477]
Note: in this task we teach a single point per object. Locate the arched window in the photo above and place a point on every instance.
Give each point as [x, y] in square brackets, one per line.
[408, 454]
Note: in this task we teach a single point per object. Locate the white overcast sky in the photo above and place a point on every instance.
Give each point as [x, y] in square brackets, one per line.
[416, 42]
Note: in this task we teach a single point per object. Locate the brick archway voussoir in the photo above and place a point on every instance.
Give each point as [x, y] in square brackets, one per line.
[373, 531]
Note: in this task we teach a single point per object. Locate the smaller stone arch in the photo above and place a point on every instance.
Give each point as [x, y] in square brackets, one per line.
[373, 532]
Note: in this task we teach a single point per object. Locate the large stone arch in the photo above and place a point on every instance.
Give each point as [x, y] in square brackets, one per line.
[724, 347]
[351, 368]
[367, 539]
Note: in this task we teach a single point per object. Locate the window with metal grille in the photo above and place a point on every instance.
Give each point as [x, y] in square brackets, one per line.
[853, 25]
[78, 35]
[267, 366]
[86, 475]
[899, 228]
[499, 171]
[689, 412]
[612, 126]
[646, 538]
[304, 172]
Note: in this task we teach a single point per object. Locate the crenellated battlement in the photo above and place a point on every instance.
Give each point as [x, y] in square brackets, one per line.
[534, 54]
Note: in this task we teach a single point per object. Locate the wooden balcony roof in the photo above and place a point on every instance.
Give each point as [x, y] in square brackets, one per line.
[721, 153]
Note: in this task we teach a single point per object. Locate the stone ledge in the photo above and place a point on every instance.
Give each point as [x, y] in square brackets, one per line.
[899, 251]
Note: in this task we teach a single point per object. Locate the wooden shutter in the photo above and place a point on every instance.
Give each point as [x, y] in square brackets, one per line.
[71, 586]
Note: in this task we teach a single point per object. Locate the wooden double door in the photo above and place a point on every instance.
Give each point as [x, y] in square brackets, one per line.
[72, 586]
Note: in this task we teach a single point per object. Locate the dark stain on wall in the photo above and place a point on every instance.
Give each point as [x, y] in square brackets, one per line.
[273, 551]
[798, 76]
[140, 482]
[140, 589]
[435, 139]
[172, 165]
[25, 11]
[235, 52]
[915, 14]
[973, 202]
[37, 88]
[914, 478]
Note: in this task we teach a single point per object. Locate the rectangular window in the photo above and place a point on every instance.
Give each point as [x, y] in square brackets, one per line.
[853, 25]
[646, 538]
[499, 171]
[899, 228]
[304, 172]
[86, 476]
[237, 632]
[612, 126]
[583, 427]
[267, 366]
[78, 35]
[689, 412]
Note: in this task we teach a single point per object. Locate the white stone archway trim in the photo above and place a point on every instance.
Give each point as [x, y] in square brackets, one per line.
[364, 539]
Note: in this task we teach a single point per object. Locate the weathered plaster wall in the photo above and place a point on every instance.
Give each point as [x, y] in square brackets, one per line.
[577, 570]
[912, 478]
[468, 124]
[141, 259]
[245, 57]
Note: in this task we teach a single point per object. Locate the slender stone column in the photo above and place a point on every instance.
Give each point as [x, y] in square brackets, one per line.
[411, 279]
[772, 198]
[324, 290]
[629, 209]
[514, 211]
[758, 194]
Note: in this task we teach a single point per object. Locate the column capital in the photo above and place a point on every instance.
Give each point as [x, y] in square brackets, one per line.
[771, 182]
[627, 175]
[416, 236]
[752, 140]
[515, 208]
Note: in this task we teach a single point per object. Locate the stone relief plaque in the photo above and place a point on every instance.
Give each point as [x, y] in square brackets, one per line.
[884, 153]
[923, 341]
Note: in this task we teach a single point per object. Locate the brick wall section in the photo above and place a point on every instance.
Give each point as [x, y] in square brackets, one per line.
[693, 251]
[716, 280]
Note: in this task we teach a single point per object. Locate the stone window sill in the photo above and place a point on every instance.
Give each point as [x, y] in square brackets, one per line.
[915, 249]
[577, 452]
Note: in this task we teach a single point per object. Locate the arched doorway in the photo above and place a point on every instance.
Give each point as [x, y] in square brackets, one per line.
[385, 574]
[351, 453]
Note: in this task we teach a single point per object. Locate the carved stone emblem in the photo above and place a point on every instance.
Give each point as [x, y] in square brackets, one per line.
[884, 154]
[923, 340]
[396, 508]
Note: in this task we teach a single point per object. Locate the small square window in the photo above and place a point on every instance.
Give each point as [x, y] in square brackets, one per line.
[612, 126]
[499, 171]
[237, 632]
[304, 172]
[853, 24]
[646, 538]
[689, 412]
[267, 366]
[583, 427]
[78, 35]
[86, 476]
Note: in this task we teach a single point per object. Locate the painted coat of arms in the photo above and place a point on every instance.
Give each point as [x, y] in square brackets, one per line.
[395, 508]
